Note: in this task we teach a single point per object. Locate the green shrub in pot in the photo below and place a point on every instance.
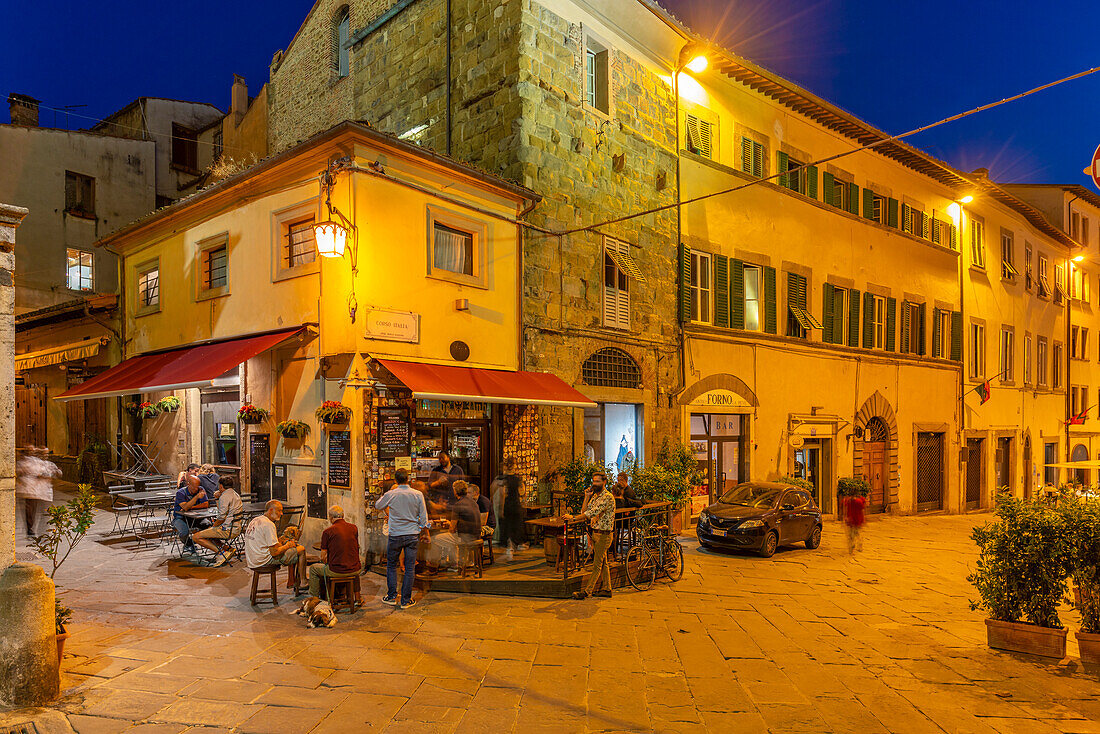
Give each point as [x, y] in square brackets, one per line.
[1083, 522]
[799, 482]
[853, 487]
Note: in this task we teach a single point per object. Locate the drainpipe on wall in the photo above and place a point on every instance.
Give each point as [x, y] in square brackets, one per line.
[960, 470]
[449, 121]
[1069, 264]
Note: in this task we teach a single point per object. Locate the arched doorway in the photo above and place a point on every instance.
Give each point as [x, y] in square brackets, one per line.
[1029, 471]
[876, 437]
[1080, 453]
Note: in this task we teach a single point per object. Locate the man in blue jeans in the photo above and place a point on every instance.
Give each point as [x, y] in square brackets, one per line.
[190, 496]
[408, 517]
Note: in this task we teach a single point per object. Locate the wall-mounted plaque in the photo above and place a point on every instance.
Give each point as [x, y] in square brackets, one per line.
[339, 458]
[398, 326]
[394, 433]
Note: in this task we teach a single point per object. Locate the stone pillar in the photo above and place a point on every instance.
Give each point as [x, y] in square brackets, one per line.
[28, 647]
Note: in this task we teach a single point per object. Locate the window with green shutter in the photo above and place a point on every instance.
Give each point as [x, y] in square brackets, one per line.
[783, 161]
[811, 181]
[869, 204]
[869, 310]
[721, 291]
[891, 323]
[892, 213]
[956, 336]
[853, 318]
[853, 199]
[737, 294]
[685, 283]
[799, 318]
[905, 323]
[827, 188]
[752, 157]
[921, 348]
[827, 313]
[770, 311]
[838, 314]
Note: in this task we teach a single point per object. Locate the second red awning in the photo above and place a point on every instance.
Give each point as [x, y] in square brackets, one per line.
[443, 382]
[195, 366]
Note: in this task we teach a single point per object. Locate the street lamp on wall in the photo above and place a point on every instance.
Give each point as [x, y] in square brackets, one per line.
[331, 238]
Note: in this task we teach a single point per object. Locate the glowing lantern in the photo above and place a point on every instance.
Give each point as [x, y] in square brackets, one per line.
[331, 238]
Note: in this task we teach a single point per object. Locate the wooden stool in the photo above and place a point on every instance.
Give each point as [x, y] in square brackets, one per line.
[272, 592]
[470, 554]
[487, 550]
[343, 591]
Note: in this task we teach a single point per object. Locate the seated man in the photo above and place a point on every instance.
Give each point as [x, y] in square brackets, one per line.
[624, 493]
[465, 527]
[263, 546]
[228, 524]
[188, 497]
[191, 470]
[485, 507]
[340, 542]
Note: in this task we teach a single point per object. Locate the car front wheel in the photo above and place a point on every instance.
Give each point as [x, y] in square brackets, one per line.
[771, 542]
[815, 538]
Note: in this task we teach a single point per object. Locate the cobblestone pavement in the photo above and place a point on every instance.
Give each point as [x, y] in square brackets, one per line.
[808, 641]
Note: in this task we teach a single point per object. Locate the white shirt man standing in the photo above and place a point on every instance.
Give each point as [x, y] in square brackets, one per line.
[408, 517]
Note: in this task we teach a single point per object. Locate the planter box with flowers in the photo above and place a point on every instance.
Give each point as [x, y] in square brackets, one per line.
[169, 404]
[148, 410]
[1083, 518]
[292, 429]
[1025, 558]
[252, 415]
[333, 412]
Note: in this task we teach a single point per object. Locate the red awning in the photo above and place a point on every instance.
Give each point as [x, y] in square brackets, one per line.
[195, 366]
[439, 382]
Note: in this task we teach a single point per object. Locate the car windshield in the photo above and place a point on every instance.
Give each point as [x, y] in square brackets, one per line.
[751, 495]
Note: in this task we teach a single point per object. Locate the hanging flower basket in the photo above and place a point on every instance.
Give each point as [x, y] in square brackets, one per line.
[169, 404]
[333, 411]
[292, 429]
[252, 415]
[148, 410]
[132, 408]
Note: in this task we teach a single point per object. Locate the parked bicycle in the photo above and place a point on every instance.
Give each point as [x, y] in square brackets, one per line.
[658, 554]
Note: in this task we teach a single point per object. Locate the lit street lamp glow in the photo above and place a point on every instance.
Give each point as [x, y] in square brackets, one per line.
[697, 64]
[330, 238]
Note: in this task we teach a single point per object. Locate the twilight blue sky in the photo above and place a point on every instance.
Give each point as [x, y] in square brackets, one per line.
[894, 64]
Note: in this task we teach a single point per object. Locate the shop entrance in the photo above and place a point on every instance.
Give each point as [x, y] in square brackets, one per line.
[974, 473]
[930, 470]
[720, 445]
[466, 442]
[811, 464]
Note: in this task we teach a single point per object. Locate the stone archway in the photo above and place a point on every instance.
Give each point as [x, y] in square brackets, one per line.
[878, 409]
[721, 381]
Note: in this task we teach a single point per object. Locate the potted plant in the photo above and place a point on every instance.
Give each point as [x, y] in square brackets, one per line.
[1083, 519]
[131, 407]
[169, 404]
[252, 415]
[61, 614]
[333, 411]
[1021, 573]
[292, 429]
[148, 410]
[669, 478]
[852, 487]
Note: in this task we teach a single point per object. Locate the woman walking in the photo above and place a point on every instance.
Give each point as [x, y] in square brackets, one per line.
[513, 532]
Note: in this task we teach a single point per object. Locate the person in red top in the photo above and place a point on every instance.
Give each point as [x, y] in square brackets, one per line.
[340, 542]
[853, 518]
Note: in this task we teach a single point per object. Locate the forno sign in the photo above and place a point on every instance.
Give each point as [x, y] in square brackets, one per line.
[720, 399]
[397, 326]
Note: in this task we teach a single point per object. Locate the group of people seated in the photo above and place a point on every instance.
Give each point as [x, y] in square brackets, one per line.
[196, 486]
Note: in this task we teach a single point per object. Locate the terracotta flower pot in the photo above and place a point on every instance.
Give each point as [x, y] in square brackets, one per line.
[61, 646]
[1029, 638]
[1089, 644]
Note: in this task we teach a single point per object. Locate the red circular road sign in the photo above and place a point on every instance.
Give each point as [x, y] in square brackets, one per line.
[1094, 169]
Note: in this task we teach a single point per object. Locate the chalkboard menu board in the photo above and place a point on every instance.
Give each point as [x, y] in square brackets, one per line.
[316, 501]
[394, 434]
[259, 464]
[278, 482]
[339, 458]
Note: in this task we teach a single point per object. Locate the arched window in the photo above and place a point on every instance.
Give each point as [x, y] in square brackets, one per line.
[1080, 453]
[341, 32]
[611, 367]
[876, 431]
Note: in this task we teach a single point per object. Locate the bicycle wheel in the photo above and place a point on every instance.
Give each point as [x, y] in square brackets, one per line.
[674, 560]
[641, 567]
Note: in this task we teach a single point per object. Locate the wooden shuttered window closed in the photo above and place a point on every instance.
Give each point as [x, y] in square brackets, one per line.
[936, 334]
[853, 318]
[737, 293]
[891, 323]
[956, 336]
[685, 284]
[811, 181]
[770, 316]
[868, 321]
[746, 155]
[827, 183]
[827, 313]
[868, 204]
[906, 308]
[784, 162]
[699, 136]
[954, 237]
[853, 199]
[892, 213]
[838, 315]
[922, 348]
[721, 291]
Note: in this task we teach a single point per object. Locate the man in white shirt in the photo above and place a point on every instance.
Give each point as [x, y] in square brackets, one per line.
[228, 524]
[263, 546]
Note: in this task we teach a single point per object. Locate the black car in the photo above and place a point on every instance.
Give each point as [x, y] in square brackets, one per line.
[761, 516]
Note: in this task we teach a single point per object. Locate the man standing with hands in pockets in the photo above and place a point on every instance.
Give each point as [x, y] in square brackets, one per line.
[408, 518]
[599, 508]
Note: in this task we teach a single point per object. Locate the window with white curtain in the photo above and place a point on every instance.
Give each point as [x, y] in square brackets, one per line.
[457, 247]
[453, 250]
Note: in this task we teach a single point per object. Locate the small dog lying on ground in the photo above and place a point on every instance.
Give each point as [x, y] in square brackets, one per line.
[318, 612]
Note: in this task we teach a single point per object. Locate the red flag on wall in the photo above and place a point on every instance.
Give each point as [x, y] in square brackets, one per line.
[984, 392]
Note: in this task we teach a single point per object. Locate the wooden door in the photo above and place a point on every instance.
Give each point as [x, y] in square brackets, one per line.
[30, 416]
[1029, 481]
[87, 422]
[874, 471]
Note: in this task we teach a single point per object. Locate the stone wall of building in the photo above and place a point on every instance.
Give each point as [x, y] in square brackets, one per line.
[10, 217]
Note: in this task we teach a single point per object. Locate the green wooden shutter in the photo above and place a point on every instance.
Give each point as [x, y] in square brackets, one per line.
[685, 284]
[906, 347]
[925, 233]
[737, 294]
[827, 188]
[770, 322]
[921, 348]
[957, 336]
[954, 237]
[853, 318]
[721, 291]
[838, 315]
[892, 213]
[936, 333]
[868, 204]
[784, 165]
[827, 313]
[891, 323]
[906, 218]
[746, 155]
[811, 181]
[868, 321]
[853, 199]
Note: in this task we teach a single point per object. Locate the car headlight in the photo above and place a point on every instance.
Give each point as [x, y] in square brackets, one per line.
[704, 519]
[751, 524]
